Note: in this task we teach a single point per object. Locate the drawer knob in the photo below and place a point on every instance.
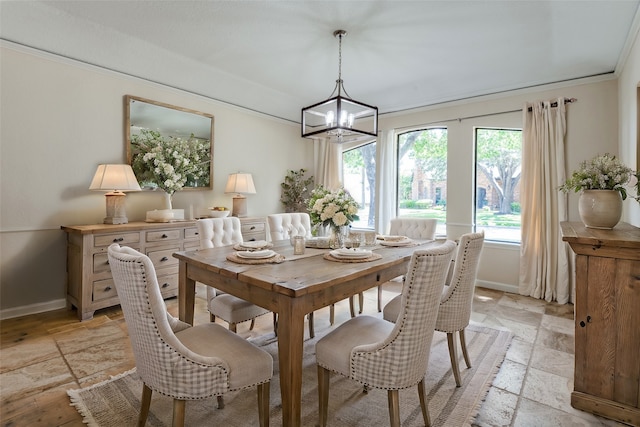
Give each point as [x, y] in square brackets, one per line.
[164, 236]
[164, 258]
[253, 227]
[165, 285]
[196, 233]
[118, 239]
[107, 289]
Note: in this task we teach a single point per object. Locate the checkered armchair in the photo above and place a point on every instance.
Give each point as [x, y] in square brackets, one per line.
[457, 297]
[176, 359]
[215, 232]
[382, 355]
[414, 228]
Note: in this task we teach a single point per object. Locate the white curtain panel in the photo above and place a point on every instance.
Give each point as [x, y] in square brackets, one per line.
[385, 180]
[545, 262]
[328, 163]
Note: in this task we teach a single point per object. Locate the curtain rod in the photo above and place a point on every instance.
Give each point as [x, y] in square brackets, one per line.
[459, 119]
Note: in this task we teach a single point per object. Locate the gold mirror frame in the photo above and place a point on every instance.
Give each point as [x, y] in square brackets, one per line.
[171, 122]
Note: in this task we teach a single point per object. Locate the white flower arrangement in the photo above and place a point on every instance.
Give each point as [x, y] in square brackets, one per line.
[169, 163]
[332, 208]
[603, 172]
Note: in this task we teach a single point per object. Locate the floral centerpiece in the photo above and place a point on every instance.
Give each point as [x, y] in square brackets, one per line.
[335, 208]
[604, 172]
[169, 163]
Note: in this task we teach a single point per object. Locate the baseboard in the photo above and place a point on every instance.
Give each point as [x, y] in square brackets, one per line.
[505, 287]
[25, 310]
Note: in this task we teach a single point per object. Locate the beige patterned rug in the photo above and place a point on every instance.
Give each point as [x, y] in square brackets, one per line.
[116, 402]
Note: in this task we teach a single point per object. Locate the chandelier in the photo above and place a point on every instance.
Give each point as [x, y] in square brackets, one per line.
[339, 118]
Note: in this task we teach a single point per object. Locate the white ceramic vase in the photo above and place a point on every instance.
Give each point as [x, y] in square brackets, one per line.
[600, 208]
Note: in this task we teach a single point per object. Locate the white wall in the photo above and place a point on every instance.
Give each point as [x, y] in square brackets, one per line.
[59, 120]
[628, 100]
[591, 129]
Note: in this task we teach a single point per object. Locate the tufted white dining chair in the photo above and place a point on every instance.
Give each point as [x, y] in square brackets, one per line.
[456, 300]
[176, 359]
[382, 355]
[215, 232]
[414, 228]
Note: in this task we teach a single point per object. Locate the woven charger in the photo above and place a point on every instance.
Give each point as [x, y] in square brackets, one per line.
[373, 257]
[276, 259]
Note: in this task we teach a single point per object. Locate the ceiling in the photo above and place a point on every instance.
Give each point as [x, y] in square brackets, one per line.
[276, 57]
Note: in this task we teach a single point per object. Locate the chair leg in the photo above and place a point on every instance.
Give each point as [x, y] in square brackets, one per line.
[212, 318]
[394, 408]
[253, 323]
[263, 404]
[453, 355]
[423, 404]
[232, 327]
[323, 395]
[351, 306]
[275, 324]
[312, 332]
[178, 413]
[360, 302]
[144, 405]
[463, 344]
[379, 298]
[332, 314]
[220, 400]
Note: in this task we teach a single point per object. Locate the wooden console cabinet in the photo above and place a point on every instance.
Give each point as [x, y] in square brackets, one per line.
[89, 283]
[607, 320]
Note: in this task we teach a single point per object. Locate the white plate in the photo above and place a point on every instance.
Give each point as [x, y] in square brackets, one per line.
[392, 238]
[404, 242]
[350, 253]
[256, 244]
[267, 253]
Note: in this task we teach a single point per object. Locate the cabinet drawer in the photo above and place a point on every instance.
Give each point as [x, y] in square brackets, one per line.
[168, 283]
[104, 289]
[122, 238]
[191, 233]
[163, 235]
[163, 258]
[192, 245]
[252, 227]
[100, 263]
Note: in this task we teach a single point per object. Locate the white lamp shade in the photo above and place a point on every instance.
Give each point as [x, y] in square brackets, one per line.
[114, 178]
[240, 183]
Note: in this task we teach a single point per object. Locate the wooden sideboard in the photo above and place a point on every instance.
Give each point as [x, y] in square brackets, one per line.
[90, 286]
[607, 320]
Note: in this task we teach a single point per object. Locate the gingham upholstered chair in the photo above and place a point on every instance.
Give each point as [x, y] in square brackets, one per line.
[414, 228]
[176, 359]
[382, 355]
[215, 232]
[456, 300]
[280, 228]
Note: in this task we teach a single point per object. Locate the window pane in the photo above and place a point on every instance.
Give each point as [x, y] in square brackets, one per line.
[359, 174]
[498, 171]
[422, 175]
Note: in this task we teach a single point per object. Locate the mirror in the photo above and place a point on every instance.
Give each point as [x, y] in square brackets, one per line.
[151, 120]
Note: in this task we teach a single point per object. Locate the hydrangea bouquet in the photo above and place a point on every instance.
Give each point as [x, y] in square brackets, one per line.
[169, 163]
[604, 172]
[332, 208]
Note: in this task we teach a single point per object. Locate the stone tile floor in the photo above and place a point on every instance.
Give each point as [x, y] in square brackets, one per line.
[43, 355]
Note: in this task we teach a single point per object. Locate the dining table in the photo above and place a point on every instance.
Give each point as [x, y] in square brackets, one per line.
[291, 286]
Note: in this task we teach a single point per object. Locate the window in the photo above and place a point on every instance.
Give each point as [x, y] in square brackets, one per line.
[498, 171]
[422, 175]
[359, 175]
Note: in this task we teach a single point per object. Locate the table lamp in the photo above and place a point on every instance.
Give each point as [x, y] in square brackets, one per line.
[239, 184]
[115, 179]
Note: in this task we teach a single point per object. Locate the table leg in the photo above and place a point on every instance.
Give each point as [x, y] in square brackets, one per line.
[186, 294]
[290, 351]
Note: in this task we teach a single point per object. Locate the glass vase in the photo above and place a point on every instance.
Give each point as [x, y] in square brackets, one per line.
[338, 236]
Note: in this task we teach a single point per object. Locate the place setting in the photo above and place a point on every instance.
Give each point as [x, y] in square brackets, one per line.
[254, 252]
[351, 255]
[396, 241]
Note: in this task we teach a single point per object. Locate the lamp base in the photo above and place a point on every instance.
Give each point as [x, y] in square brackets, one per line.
[239, 206]
[115, 208]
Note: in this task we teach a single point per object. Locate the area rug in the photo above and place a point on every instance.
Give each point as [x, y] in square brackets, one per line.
[116, 402]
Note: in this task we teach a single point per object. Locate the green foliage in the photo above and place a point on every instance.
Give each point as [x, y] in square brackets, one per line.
[515, 207]
[295, 191]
